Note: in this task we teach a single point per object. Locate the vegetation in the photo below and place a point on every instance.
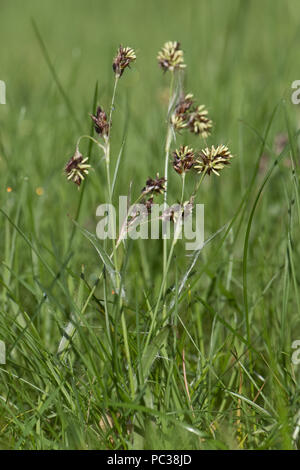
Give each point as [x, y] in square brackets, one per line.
[143, 344]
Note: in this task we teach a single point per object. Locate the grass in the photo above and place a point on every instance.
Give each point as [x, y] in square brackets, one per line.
[82, 370]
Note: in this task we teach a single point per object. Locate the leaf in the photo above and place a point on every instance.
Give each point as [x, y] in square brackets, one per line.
[67, 336]
[103, 256]
[2, 352]
[151, 351]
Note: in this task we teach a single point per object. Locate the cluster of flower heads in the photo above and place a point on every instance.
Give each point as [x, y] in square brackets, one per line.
[170, 57]
[186, 116]
[194, 118]
[77, 168]
[208, 160]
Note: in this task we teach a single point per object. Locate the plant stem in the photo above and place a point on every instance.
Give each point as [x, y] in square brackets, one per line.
[182, 187]
[107, 165]
[161, 291]
[167, 152]
[199, 183]
[115, 259]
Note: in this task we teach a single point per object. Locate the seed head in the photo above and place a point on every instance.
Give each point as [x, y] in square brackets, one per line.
[171, 56]
[178, 122]
[199, 123]
[101, 122]
[154, 186]
[148, 204]
[183, 159]
[213, 159]
[180, 116]
[194, 118]
[184, 105]
[77, 168]
[123, 59]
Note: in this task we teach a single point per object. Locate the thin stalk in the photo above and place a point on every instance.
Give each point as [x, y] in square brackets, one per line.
[167, 153]
[161, 292]
[90, 138]
[115, 259]
[107, 165]
[199, 183]
[182, 187]
[127, 353]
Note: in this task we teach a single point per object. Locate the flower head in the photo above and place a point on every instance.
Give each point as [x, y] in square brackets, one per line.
[148, 204]
[171, 56]
[153, 186]
[184, 105]
[199, 123]
[123, 59]
[179, 118]
[213, 159]
[77, 168]
[178, 122]
[194, 118]
[101, 122]
[183, 159]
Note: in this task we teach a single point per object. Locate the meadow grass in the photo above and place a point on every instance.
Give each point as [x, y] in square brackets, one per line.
[208, 364]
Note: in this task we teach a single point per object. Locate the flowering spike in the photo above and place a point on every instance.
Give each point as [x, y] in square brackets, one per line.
[183, 159]
[77, 168]
[170, 57]
[123, 59]
[101, 123]
[213, 159]
[153, 186]
[187, 116]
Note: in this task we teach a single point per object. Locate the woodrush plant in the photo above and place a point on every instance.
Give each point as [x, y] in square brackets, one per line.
[194, 377]
[183, 115]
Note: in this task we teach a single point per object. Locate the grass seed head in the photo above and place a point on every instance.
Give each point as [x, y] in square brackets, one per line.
[170, 57]
[183, 159]
[194, 118]
[123, 59]
[76, 169]
[154, 186]
[199, 123]
[213, 159]
[101, 123]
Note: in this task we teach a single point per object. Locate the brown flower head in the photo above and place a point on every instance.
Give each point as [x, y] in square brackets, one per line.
[123, 59]
[148, 204]
[194, 118]
[179, 118]
[183, 159]
[154, 186]
[184, 105]
[77, 168]
[101, 122]
[213, 159]
[171, 56]
[199, 123]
